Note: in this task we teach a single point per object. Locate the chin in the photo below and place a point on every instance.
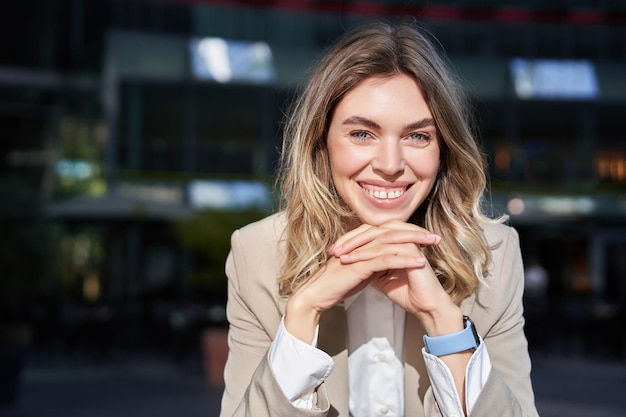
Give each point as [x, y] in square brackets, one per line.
[379, 219]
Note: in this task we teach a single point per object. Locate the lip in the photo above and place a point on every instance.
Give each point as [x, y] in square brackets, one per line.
[384, 184]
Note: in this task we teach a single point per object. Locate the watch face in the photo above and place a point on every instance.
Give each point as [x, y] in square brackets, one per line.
[470, 323]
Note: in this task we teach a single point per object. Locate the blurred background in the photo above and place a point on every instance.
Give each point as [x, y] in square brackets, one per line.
[136, 135]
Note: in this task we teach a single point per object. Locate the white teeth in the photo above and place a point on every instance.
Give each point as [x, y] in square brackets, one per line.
[385, 195]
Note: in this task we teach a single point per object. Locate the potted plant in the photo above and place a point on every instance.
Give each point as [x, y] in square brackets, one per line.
[207, 235]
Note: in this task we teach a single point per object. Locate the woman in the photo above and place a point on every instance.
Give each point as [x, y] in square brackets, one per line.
[356, 298]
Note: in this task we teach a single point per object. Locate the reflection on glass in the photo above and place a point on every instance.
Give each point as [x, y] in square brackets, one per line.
[236, 195]
[224, 61]
[553, 79]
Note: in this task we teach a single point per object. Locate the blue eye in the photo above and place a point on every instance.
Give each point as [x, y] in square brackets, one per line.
[419, 136]
[419, 139]
[360, 134]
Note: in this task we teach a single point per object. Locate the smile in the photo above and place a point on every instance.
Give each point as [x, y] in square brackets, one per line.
[384, 193]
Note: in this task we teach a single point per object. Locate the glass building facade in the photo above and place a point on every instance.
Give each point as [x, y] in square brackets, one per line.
[101, 102]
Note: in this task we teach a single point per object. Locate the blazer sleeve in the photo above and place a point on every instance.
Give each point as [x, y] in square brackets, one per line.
[497, 311]
[508, 390]
[250, 386]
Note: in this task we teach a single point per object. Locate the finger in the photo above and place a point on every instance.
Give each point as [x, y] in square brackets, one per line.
[399, 225]
[378, 236]
[364, 233]
[365, 253]
[336, 247]
[387, 262]
[431, 238]
[357, 238]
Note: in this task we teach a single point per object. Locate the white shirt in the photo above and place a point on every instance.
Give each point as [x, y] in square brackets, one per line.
[375, 364]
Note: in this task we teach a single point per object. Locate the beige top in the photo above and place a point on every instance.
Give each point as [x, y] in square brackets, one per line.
[255, 310]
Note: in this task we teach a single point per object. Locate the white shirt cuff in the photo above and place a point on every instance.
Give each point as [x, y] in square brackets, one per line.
[299, 367]
[443, 385]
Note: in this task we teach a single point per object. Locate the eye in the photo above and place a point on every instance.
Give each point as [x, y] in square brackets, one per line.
[419, 138]
[360, 135]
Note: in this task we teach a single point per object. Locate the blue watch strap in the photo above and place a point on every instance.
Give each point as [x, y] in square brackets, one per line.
[454, 342]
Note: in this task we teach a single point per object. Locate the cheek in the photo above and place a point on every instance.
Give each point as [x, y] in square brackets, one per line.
[435, 167]
[345, 162]
[336, 169]
[426, 165]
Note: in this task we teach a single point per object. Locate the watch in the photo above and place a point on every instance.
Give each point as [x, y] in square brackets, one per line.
[455, 342]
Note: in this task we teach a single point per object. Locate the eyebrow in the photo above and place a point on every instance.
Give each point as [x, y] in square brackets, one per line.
[359, 120]
[427, 122]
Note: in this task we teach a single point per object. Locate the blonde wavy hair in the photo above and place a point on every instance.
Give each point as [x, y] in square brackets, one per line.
[316, 215]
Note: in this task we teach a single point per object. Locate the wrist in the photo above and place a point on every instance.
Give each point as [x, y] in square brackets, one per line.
[443, 321]
[301, 320]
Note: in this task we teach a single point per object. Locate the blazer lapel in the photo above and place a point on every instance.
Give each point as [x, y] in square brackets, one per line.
[332, 339]
[416, 380]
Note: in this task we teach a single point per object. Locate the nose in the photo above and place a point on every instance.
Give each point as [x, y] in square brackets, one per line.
[389, 158]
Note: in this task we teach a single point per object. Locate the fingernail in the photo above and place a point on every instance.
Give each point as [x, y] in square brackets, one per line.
[337, 249]
[436, 238]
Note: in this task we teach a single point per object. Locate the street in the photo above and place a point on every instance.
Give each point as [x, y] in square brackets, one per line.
[155, 386]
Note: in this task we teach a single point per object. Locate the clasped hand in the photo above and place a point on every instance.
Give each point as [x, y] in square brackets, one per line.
[390, 256]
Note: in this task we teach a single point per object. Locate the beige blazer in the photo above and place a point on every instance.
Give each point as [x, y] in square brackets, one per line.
[255, 310]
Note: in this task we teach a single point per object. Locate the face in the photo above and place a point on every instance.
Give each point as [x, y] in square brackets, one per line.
[383, 149]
